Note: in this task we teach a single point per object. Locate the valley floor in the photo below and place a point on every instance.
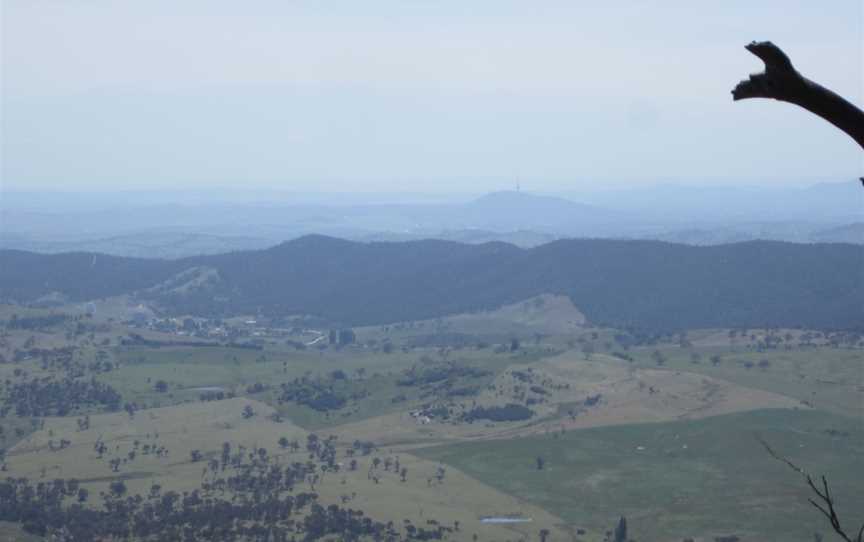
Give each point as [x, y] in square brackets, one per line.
[526, 413]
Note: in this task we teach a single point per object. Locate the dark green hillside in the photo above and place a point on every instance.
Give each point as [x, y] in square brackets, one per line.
[367, 283]
[25, 276]
[645, 284]
[762, 283]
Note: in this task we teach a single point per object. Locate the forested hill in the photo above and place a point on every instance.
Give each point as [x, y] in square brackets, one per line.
[646, 284]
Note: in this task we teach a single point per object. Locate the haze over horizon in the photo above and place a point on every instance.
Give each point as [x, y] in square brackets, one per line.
[414, 97]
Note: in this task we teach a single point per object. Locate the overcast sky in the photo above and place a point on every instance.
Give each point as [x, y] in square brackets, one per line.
[435, 95]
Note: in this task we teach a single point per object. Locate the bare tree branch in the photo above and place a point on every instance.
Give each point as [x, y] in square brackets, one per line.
[825, 503]
[781, 81]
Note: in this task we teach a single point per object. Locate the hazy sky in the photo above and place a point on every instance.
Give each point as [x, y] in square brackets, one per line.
[435, 95]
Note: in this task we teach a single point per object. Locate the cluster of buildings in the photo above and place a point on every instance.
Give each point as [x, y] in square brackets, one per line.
[218, 329]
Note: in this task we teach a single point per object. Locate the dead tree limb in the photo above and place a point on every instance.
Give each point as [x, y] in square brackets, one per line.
[781, 81]
[824, 501]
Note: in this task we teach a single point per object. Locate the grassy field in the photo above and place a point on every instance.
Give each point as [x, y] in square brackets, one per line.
[700, 478]
[624, 394]
[828, 378]
[546, 315]
[187, 368]
[205, 426]
[671, 446]
[180, 429]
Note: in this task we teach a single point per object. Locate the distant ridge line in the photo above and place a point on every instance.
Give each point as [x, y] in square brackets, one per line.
[625, 283]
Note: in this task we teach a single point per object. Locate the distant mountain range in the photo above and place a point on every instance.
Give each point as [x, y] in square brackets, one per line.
[848, 233]
[678, 214]
[500, 212]
[642, 284]
[826, 202]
